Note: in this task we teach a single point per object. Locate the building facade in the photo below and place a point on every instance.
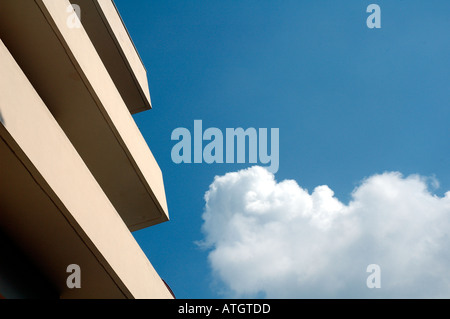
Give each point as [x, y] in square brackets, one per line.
[76, 175]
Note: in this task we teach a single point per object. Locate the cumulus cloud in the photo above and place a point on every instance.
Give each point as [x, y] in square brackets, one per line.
[276, 240]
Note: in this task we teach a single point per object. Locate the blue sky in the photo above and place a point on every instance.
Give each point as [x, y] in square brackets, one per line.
[350, 103]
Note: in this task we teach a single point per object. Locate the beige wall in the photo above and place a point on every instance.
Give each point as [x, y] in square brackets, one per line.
[59, 212]
[75, 85]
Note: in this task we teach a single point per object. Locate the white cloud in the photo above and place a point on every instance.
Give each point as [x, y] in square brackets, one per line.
[274, 239]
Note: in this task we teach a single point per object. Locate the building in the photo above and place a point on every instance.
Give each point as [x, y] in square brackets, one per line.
[76, 175]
